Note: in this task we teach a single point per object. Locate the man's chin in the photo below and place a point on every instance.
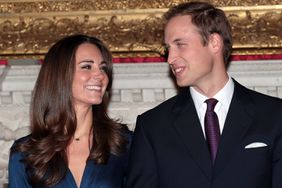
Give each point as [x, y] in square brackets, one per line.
[181, 83]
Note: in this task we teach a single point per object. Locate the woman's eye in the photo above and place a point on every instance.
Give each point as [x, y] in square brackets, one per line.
[86, 67]
[103, 67]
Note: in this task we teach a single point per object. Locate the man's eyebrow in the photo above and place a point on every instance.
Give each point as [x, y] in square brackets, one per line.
[166, 45]
[176, 40]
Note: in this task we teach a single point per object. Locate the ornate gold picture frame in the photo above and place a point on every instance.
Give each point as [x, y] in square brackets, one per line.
[131, 28]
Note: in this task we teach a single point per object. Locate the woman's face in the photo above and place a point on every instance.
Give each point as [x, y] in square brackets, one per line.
[90, 79]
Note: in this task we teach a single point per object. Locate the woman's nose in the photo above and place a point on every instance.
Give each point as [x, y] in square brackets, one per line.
[98, 73]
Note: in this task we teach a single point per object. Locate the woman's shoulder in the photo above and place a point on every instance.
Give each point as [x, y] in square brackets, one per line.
[15, 155]
[22, 139]
[18, 177]
[14, 148]
[128, 134]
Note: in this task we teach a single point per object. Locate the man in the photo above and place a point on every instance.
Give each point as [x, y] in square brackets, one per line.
[186, 141]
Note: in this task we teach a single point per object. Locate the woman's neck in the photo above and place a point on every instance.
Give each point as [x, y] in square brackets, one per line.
[84, 123]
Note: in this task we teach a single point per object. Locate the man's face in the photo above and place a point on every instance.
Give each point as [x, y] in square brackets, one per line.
[191, 62]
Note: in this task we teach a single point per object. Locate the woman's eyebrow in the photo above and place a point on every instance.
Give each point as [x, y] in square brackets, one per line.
[86, 61]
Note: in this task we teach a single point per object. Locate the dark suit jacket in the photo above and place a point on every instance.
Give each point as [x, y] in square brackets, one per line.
[170, 151]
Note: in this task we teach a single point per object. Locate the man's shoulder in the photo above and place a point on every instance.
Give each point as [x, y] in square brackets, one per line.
[164, 107]
[267, 101]
[167, 106]
[256, 97]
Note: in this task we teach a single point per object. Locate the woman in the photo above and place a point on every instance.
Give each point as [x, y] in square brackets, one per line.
[73, 142]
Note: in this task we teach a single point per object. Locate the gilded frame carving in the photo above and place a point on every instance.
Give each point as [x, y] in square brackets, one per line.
[129, 27]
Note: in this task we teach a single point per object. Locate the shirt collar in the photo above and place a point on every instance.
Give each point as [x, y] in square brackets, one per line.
[224, 95]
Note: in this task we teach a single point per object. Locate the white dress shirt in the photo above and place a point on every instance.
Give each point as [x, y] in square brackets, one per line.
[224, 97]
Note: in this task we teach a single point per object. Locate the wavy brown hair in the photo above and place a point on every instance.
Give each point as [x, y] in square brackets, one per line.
[53, 118]
[208, 19]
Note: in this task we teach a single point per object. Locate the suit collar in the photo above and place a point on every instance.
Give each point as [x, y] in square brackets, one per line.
[224, 95]
[239, 118]
[187, 126]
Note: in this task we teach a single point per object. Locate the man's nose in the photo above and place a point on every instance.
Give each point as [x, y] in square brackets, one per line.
[170, 56]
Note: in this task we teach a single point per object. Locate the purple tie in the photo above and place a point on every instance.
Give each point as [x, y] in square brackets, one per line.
[212, 127]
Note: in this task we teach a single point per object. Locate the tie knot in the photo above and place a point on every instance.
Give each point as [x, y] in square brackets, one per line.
[211, 104]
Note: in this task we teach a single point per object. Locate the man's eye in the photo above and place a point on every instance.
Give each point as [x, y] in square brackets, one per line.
[180, 44]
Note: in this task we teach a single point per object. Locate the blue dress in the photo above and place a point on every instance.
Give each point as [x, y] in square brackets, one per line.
[111, 175]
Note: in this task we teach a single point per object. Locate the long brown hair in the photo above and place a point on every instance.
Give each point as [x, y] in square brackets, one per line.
[53, 119]
[208, 19]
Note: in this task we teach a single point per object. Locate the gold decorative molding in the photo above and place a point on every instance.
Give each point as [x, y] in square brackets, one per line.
[129, 27]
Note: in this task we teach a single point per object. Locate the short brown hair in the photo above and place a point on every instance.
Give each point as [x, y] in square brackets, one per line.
[208, 19]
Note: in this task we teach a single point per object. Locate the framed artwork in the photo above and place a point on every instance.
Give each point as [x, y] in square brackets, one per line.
[131, 28]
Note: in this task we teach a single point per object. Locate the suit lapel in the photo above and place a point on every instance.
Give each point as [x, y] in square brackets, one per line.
[188, 127]
[237, 122]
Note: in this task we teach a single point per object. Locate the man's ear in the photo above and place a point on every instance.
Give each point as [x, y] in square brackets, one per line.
[215, 42]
